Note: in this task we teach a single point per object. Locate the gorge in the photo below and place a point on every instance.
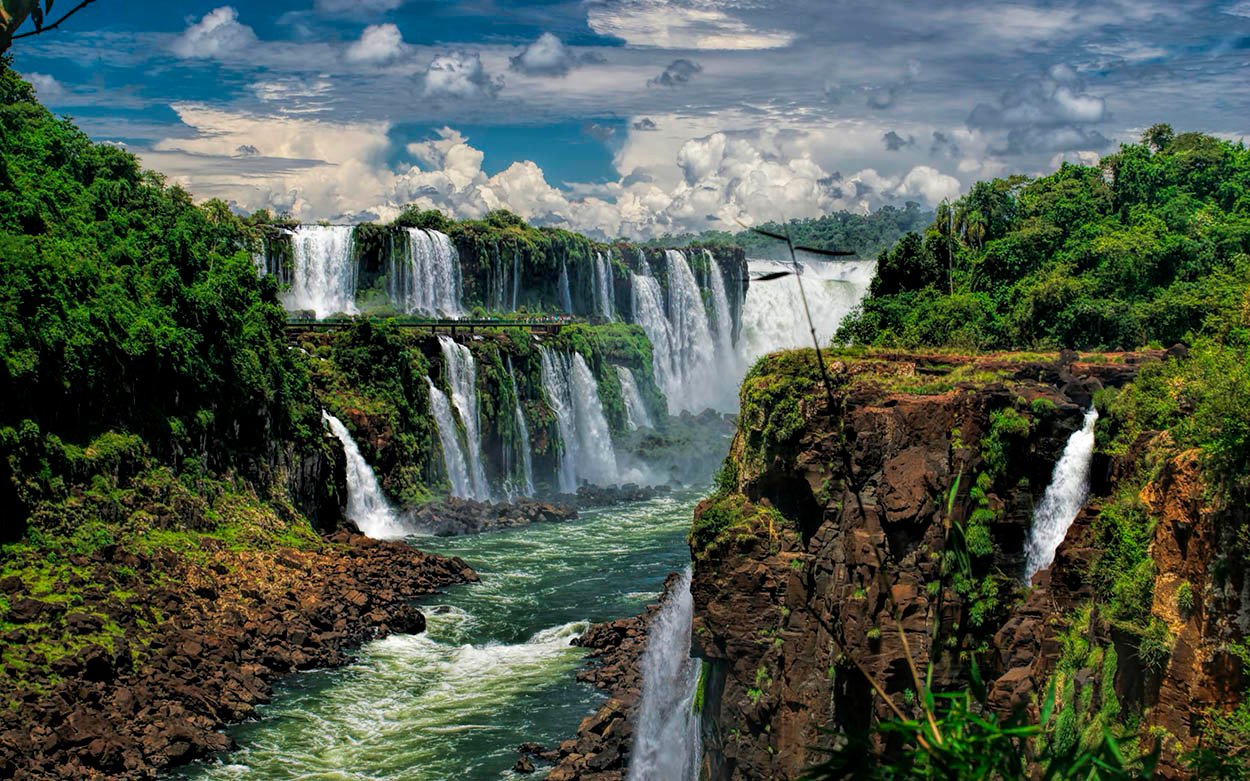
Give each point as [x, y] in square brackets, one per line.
[461, 499]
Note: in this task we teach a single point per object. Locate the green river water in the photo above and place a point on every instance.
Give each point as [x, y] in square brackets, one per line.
[493, 670]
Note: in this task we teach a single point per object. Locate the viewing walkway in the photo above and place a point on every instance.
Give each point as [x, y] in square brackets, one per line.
[449, 327]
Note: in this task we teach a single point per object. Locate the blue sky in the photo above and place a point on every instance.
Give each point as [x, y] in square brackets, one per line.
[632, 117]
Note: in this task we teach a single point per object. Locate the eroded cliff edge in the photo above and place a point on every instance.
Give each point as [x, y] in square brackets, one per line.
[830, 520]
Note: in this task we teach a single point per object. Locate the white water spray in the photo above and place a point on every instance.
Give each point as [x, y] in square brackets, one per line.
[636, 414]
[1064, 497]
[366, 504]
[667, 741]
[427, 281]
[449, 436]
[573, 395]
[462, 379]
[324, 275]
[695, 385]
[523, 430]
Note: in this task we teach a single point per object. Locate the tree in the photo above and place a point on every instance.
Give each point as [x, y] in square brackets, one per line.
[14, 13]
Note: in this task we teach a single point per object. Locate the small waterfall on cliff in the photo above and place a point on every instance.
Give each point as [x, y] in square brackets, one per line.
[449, 437]
[324, 275]
[636, 415]
[523, 431]
[667, 743]
[772, 315]
[649, 313]
[427, 281]
[566, 297]
[366, 504]
[1064, 497]
[603, 293]
[462, 379]
[694, 382]
[573, 395]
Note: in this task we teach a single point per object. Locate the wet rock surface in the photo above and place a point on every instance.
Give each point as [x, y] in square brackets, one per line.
[202, 649]
[455, 517]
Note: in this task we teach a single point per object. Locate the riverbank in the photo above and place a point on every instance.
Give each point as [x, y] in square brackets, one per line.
[164, 646]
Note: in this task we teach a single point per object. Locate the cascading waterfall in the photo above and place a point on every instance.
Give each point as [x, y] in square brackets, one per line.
[449, 436]
[516, 278]
[1064, 497]
[523, 430]
[573, 395]
[427, 280]
[772, 315]
[462, 379]
[649, 313]
[324, 275]
[694, 385]
[366, 504]
[603, 294]
[667, 742]
[636, 415]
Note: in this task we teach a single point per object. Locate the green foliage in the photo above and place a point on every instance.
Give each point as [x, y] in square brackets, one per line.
[773, 397]
[1152, 245]
[730, 516]
[126, 307]
[1008, 428]
[1185, 599]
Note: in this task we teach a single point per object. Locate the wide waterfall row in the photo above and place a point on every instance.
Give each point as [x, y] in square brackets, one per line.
[422, 273]
[586, 443]
[667, 741]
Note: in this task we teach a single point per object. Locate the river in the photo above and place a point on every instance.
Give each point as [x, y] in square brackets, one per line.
[493, 670]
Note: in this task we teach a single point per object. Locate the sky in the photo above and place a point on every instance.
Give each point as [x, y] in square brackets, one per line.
[632, 118]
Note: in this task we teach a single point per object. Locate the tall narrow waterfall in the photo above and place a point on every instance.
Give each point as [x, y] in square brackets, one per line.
[427, 281]
[324, 276]
[726, 354]
[649, 313]
[366, 504]
[636, 415]
[603, 292]
[573, 395]
[1064, 497]
[667, 742]
[449, 437]
[566, 297]
[523, 432]
[462, 379]
[694, 382]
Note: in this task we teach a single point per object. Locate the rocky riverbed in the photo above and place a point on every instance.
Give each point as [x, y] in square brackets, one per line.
[197, 648]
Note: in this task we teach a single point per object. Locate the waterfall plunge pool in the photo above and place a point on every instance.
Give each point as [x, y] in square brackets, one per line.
[494, 668]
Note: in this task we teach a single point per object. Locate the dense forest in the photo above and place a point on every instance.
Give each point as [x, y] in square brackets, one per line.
[863, 234]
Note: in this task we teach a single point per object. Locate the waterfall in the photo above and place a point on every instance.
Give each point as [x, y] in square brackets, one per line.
[366, 504]
[603, 293]
[649, 306]
[1064, 497]
[727, 356]
[462, 379]
[636, 415]
[573, 396]
[516, 277]
[324, 276]
[523, 445]
[693, 353]
[427, 281]
[449, 437]
[566, 298]
[667, 743]
[772, 315]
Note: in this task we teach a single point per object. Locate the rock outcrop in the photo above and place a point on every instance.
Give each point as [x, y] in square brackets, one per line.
[818, 564]
[200, 648]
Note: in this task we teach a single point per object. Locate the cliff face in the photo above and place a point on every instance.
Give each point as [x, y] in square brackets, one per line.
[830, 522]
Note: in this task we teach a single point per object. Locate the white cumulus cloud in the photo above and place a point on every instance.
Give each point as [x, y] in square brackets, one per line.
[459, 74]
[379, 43]
[218, 34]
